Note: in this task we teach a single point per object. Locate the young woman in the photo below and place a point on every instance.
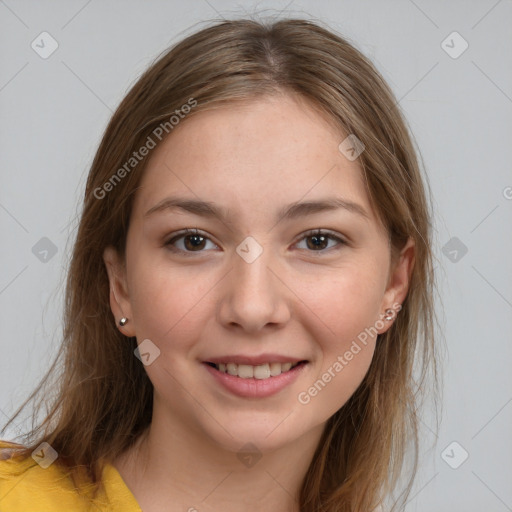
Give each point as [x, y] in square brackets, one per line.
[250, 291]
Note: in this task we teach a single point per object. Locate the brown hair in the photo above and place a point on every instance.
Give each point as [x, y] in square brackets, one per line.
[104, 398]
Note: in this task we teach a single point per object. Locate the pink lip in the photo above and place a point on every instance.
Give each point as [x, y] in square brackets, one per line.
[254, 360]
[255, 388]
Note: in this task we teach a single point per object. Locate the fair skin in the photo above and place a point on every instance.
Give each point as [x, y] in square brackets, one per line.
[294, 299]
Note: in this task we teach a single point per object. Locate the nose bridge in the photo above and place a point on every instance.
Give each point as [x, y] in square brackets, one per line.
[253, 277]
[254, 295]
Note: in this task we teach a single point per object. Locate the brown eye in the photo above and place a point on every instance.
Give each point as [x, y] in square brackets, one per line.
[193, 241]
[318, 241]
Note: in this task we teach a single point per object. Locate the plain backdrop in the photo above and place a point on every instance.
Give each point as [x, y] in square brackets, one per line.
[448, 65]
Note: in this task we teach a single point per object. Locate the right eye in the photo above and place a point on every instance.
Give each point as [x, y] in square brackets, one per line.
[193, 241]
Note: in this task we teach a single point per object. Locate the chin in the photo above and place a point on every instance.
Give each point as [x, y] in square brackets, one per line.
[266, 435]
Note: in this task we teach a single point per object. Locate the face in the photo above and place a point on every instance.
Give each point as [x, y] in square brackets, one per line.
[251, 285]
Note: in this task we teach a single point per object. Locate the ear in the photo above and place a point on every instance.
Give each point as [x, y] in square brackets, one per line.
[398, 283]
[119, 297]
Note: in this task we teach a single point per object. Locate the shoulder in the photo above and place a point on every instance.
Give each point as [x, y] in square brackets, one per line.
[27, 485]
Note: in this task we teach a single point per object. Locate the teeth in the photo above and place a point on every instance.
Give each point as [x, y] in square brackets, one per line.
[285, 367]
[261, 372]
[247, 371]
[275, 369]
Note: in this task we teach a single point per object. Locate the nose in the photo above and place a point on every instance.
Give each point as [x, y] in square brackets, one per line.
[255, 295]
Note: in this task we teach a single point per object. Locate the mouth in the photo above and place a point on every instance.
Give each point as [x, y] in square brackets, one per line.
[259, 372]
[256, 381]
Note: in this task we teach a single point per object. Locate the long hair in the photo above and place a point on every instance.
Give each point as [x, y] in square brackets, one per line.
[103, 401]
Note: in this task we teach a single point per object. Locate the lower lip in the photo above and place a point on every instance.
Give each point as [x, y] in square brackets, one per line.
[256, 388]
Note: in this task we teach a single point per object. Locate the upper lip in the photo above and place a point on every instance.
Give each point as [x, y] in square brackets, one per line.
[254, 360]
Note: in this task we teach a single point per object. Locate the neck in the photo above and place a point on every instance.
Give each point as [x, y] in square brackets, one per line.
[181, 468]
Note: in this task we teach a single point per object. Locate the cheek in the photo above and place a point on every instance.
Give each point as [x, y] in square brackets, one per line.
[344, 316]
[344, 309]
[168, 303]
[344, 302]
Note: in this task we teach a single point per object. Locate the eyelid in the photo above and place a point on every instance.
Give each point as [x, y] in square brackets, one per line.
[320, 231]
[332, 235]
[181, 234]
[342, 241]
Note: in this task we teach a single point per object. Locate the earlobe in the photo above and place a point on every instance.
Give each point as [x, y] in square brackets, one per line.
[398, 284]
[119, 298]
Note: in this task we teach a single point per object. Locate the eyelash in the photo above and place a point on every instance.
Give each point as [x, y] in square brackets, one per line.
[314, 232]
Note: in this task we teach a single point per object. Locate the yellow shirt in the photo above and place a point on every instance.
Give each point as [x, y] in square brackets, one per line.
[25, 486]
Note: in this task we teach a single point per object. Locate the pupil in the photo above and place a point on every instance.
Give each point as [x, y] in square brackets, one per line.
[318, 237]
[319, 241]
[194, 245]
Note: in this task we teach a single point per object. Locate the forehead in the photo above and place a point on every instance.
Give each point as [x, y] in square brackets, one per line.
[272, 150]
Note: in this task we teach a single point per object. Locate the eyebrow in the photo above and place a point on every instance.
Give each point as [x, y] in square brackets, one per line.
[292, 211]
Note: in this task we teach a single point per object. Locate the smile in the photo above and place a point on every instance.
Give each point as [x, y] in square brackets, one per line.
[262, 371]
[260, 381]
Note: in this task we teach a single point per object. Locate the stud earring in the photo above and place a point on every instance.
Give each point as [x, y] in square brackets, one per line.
[123, 321]
[389, 314]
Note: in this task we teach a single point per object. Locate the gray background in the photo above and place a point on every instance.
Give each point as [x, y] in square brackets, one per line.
[55, 110]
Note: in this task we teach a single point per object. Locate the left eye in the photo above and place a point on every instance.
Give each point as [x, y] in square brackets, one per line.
[194, 241]
[320, 238]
